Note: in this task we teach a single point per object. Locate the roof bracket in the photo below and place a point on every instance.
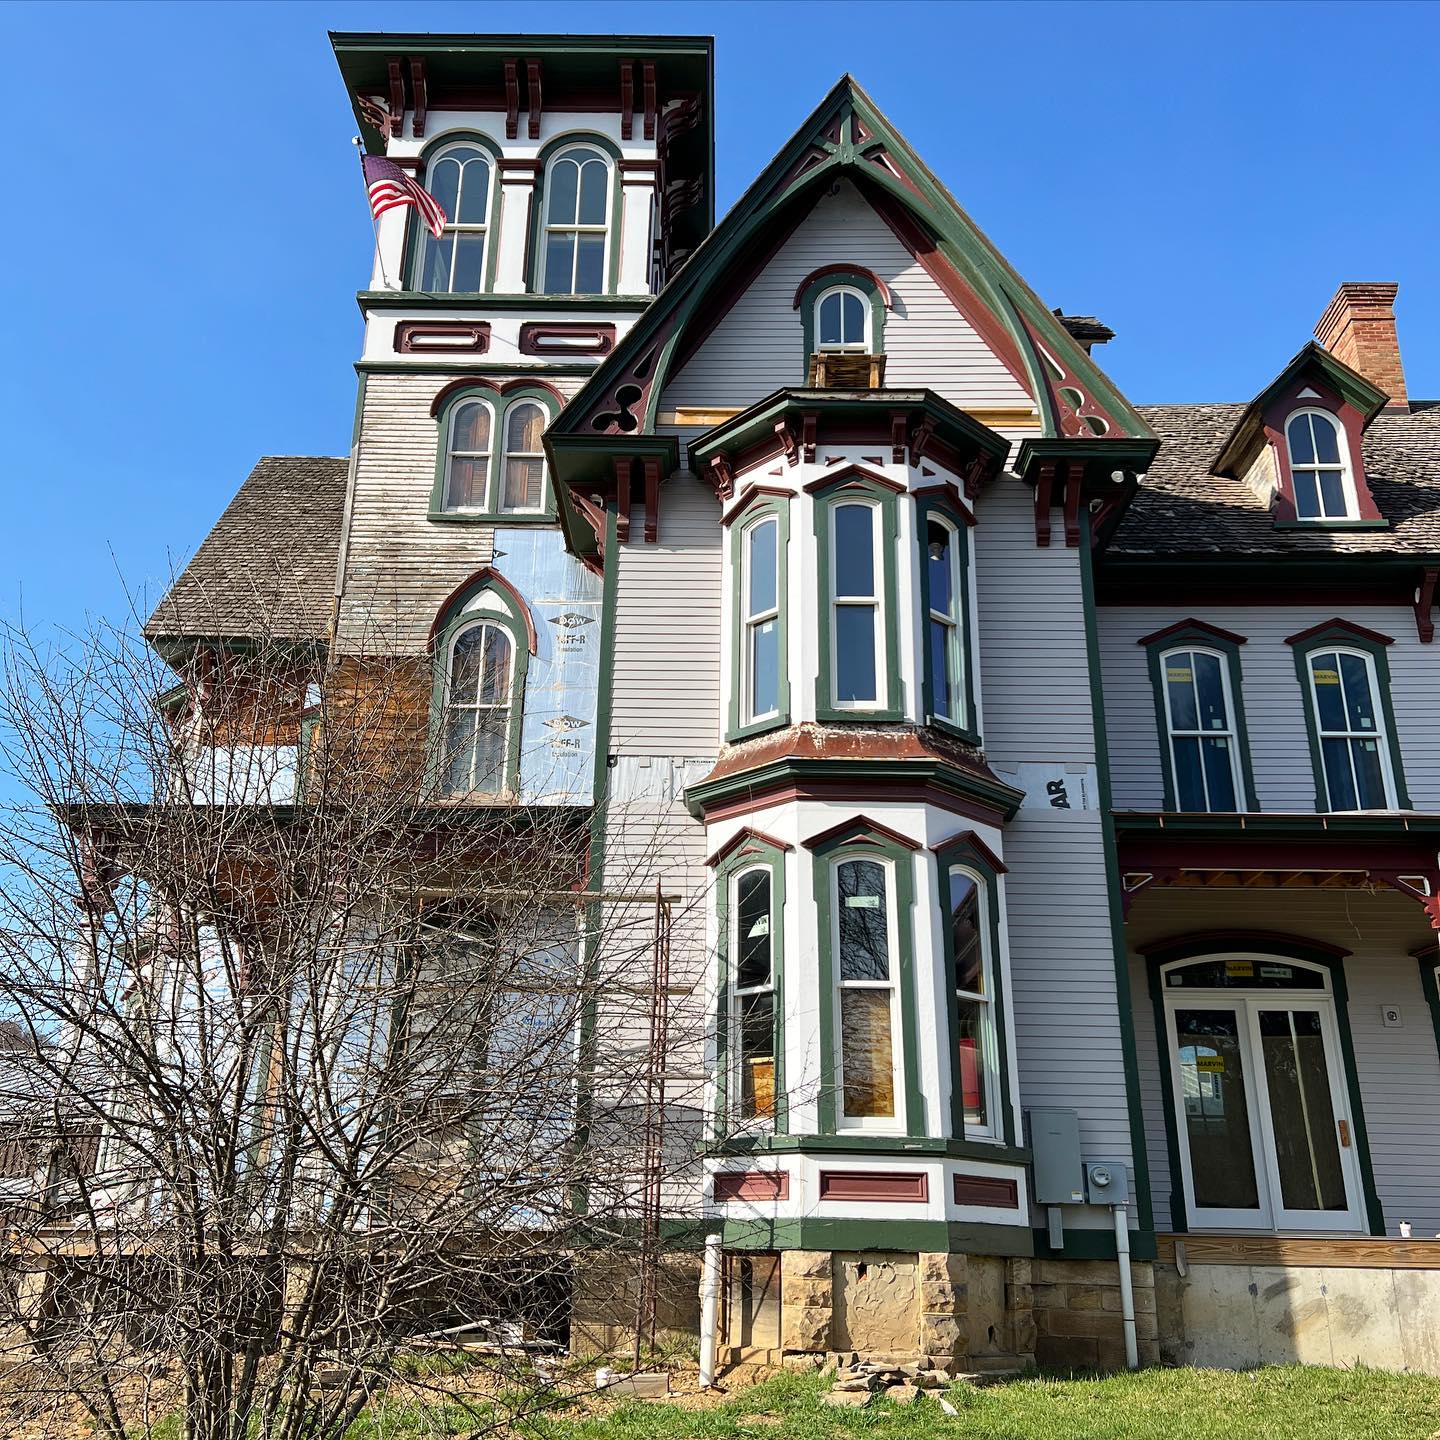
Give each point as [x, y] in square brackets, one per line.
[512, 99]
[397, 97]
[419, 92]
[534, 103]
[1424, 605]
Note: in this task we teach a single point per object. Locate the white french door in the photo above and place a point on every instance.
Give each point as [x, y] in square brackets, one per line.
[1261, 1110]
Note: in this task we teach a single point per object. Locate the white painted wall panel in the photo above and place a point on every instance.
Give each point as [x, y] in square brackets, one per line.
[1274, 701]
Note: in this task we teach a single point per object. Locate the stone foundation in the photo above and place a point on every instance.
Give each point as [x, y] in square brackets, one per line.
[605, 1295]
[1077, 1322]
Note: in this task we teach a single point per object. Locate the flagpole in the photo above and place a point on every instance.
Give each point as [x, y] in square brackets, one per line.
[359, 144]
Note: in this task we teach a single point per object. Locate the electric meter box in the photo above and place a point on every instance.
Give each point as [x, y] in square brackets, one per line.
[1055, 1148]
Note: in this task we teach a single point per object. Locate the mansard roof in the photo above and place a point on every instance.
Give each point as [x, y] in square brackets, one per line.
[267, 568]
[848, 137]
[1184, 508]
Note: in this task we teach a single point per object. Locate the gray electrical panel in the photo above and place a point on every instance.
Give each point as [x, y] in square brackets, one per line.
[1055, 1144]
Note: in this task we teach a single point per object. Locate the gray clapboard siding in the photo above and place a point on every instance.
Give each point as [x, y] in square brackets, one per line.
[400, 564]
[1399, 1069]
[1037, 708]
[758, 346]
[1273, 698]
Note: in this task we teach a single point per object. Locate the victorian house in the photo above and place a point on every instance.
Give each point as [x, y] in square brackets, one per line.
[1051, 783]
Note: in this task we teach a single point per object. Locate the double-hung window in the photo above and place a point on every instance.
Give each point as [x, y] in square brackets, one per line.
[867, 1001]
[491, 460]
[523, 487]
[945, 637]
[577, 222]
[1349, 722]
[857, 641]
[459, 177]
[467, 457]
[760, 660]
[1318, 467]
[477, 710]
[752, 993]
[1201, 733]
[977, 1057]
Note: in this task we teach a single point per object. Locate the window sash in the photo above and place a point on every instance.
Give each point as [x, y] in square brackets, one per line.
[477, 709]
[574, 230]
[831, 347]
[753, 620]
[857, 600]
[1379, 737]
[890, 987]
[738, 1103]
[1176, 733]
[454, 228]
[1308, 476]
[953, 650]
[989, 1054]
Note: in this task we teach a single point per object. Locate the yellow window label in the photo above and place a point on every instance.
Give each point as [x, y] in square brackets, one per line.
[1239, 969]
[1177, 675]
[1210, 1064]
[1327, 677]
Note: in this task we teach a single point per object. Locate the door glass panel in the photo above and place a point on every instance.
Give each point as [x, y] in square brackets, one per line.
[1307, 1150]
[1217, 1115]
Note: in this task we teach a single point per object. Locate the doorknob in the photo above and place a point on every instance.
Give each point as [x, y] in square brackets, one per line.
[1345, 1134]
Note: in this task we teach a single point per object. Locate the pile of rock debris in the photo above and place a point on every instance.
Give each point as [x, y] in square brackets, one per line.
[858, 1381]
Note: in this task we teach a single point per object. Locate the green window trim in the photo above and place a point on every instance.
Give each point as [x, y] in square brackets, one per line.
[548, 154]
[966, 855]
[413, 251]
[861, 842]
[1333, 964]
[461, 618]
[1341, 636]
[777, 509]
[754, 854]
[848, 488]
[856, 280]
[500, 403]
[939, 508]
[1196, 636]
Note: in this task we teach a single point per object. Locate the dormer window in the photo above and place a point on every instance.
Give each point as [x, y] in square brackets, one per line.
[842, 316]
[1323, 488]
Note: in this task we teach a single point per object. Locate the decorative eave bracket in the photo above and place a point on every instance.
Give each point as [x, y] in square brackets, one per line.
[1102, 475]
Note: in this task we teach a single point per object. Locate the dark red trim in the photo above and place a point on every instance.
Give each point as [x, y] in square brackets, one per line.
[970, 838]
[512, 100]
[647, 75]
[627, 99]
[849, 475]
[751, 1185]
[744, 836]
[855, 792]
[485, 575]
[1261, 941]
[1214, 631]
[411, 337]
[950, 494]
[498, 387]
[651, 467]
[1349, 627]
[1044, 487]
[906, 1187]
[397, 97]
[527, 167]
[534, 100]
[534, 334]
[418, 90]
[992, 1190]
[749, 495]
[1427, 952]
[1278, 410]
[1424, 605]
[887, 299]
[862, 826]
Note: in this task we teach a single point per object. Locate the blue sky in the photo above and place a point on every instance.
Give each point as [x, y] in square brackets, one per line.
[187, 226]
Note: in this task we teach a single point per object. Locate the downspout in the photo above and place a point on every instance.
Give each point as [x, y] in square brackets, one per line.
[1127, 1286]
[710, 1309]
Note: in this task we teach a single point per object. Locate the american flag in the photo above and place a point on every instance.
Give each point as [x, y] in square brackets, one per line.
[388, 186]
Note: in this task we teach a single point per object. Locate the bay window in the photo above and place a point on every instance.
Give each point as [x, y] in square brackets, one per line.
[752, 994]
[976, 1058]
[760, 620]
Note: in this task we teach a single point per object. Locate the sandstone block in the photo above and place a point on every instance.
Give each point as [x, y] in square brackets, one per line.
[1075, 1324]
[1078, 1272]
[1066, 1352]
[903, 1394]
[1019, 1270]
[942, 1335]
[1050, 1297]
[940, 1297]
[810, 1263]
[1092, 1297]
[807, 1290]
[805, 1328]
[856, 1399]
[1020, 1297]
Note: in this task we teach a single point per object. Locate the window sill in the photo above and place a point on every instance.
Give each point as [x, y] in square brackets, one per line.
[758, 727]
[959, 732]
[475, 517]
[831, 716]
[493, 300]
[1339, 524]
[845, 1144]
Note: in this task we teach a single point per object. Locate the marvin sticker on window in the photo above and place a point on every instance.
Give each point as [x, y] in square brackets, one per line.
[1239, 969]
[862, 902]
[1177, 674]
[1210, 1064]
[1327, 677]
[1277, 972]
[760, 927]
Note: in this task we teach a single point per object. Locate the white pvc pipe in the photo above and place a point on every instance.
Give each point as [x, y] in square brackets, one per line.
[1127, 1287]
[710, 1309]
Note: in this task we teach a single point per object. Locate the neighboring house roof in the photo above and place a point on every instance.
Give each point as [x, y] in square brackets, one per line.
[267, 568]
[1183, 508]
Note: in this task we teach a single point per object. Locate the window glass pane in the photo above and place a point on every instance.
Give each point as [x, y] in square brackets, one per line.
[1359, 697]
[590, 265]
[1329, 700]
[1307, 1150]
[524, 482]
[865, 1053]
[523, 428]
[854, 550]
[757, 1056]
[1302, 447]
[1327, 440]
[939, 539]
[465, 666]
[469, 262]
[559, 264]
[1189, 781]
[495, 667]
[465, 487]
[474, 193]
[1332, 493]
[941, 681]
[1369, 774]
[593, 175]
[1338, 779]
[752, 920]
[830, 318]
[470, 428]
[1180, 690]
[1210, 689]
[564, 178]
[1262, 973]
[965, 933]
[765, 668]
[853, 322]
[855, 654]
[445, 183]
[864, 932]
[1307, 498]
[1217, 1114]
[1219, 773]
[762, 539]
[971, 1062]
[490, 751]
[435, 262]
[459, 749]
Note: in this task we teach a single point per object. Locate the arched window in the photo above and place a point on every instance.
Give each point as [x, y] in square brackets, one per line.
[945, 640]
[467, 456]
[760, 620]
[1349, 723]
[1200, 724]
[476, 731]
[524, 483]
[459, 177]
[977, 1058]
[842, 320]
[576, 236]
[752, 992]
[1318, 467]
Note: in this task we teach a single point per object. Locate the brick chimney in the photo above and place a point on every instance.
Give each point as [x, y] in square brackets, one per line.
[1358, 327]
